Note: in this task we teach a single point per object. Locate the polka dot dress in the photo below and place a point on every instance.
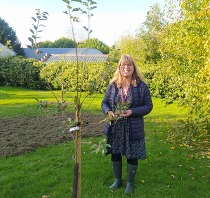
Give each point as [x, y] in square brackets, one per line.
[119, 136]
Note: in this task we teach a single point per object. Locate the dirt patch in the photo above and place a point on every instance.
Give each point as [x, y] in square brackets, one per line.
[25, 134]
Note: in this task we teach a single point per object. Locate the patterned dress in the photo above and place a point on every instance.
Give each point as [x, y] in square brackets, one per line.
[119, 136]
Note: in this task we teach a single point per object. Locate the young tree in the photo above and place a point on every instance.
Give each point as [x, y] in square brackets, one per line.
[40, 16]
[78, 101]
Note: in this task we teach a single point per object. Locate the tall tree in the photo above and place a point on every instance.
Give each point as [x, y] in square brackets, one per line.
[154, 20]
[144, 46]
[9, 38]
[148, 33]
[185, 49]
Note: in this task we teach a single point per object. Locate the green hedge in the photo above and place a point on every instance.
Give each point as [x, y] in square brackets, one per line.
[89, 77]
[21, 72]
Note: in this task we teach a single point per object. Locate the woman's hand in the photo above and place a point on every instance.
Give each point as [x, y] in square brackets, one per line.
[111, 114]
[126, 113]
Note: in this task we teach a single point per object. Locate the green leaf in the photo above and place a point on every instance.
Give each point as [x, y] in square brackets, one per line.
[32, 31]
[77, 1]
[34, 19]
[92, 2]
[91, 8]
[35, 27]
[31, 39]
[75, 9]
[66, 1]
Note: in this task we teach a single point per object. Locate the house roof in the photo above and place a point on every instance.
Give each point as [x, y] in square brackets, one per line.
[90, 58]
[66, 54]
[5, 51]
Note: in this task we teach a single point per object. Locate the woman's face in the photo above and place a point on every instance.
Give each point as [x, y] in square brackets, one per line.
[126, 69]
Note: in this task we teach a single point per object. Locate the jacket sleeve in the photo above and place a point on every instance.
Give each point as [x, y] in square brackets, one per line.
[105, 105]
[146, 106]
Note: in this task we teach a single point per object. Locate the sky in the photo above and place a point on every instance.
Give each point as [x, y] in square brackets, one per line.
[112, 19]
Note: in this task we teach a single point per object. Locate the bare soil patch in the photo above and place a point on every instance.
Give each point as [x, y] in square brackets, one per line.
[25, 134]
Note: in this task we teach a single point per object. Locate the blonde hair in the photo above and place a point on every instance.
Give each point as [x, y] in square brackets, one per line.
[118, 78]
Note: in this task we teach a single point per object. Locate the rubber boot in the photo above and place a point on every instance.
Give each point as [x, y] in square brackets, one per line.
[117, 171]
[131, 173]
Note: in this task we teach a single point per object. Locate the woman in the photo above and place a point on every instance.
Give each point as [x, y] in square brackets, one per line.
[126, 101]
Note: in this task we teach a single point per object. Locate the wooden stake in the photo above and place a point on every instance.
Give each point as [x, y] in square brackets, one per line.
[74, 192]
[78, 162]
[78, 152]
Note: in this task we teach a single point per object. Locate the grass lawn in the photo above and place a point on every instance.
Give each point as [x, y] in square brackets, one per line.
[16, 102]
[168, 172]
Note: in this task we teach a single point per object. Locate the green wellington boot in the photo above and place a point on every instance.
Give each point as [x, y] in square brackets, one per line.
[117, 171]
[131, 173]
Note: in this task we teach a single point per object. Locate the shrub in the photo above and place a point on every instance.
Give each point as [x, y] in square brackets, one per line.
[21, 72]
[90, 76]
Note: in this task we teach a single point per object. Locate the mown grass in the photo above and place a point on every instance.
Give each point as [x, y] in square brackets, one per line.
[168, 172]
[17, 102]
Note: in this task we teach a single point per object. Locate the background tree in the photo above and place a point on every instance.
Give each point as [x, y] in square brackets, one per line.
[114, 56]
[46, 44]
[144, 46]
[64, 43]
[148, 34]
[174, 55]
[60, 43]
[8, 37]
[129, 44]
[95, 43]
[184, 74]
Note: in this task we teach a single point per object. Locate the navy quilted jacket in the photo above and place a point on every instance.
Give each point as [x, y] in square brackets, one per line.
[140, 106]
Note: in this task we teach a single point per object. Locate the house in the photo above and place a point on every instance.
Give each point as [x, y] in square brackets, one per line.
[66, 54]
[5, 51]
